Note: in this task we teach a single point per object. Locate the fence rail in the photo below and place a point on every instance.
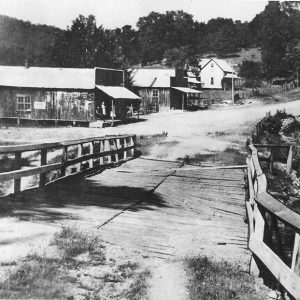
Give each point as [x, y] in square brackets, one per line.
[86, 154]
[264, 212]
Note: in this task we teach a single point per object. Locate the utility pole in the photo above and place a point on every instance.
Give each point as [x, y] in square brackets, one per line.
[232, 89]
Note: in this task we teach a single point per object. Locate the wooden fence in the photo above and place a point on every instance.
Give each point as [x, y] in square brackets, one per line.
[264, 214]
[70, 157]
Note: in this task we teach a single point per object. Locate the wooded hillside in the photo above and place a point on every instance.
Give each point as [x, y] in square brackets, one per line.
[174, 37]
[22, 41]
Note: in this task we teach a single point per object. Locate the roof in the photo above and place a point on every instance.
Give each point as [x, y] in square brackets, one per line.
[193, 80]
[229, 75]
[156, 78]
[56, 78]
[117, 92]
[221, 63]
[187, 90]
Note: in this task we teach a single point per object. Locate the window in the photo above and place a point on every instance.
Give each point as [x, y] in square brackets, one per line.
[155, 93]
[212, 65]
[23, 103]
[212, 81]
[155, 96]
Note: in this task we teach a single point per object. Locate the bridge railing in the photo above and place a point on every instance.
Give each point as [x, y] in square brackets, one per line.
[265, 237]
[67, 158]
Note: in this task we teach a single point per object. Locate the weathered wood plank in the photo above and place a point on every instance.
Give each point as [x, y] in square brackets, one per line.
[279, 209]
[280, 270]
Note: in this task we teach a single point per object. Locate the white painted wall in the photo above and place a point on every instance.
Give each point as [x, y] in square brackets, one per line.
[211, 70]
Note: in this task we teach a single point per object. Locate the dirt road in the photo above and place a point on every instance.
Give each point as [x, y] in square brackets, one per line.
[190, 130]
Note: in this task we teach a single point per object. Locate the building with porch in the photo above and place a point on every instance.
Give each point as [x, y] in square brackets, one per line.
[162, 89]
[217, 74]
[69, 94]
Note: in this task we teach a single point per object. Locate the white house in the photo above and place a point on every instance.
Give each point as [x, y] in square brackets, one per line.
[216, 74]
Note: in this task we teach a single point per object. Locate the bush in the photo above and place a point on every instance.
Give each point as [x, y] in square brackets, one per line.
[72, 242]
[289, 125]
[211, 280]
[273, 124]
[38, 278]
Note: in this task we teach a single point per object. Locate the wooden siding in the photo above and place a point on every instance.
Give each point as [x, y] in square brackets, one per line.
[109, 77]
[62, 105]
[163, 97]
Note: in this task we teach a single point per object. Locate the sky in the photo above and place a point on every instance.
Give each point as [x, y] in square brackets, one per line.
[117, 13]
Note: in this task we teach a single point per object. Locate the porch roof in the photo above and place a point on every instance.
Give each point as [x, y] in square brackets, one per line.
[230, 75]
[118, 92]
[187, 90]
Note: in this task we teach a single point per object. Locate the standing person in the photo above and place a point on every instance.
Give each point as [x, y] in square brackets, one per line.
[98, 113]
[103, 109]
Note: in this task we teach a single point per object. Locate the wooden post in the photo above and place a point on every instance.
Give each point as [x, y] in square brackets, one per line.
[125, 151]
[107, 148]
[296, 255]
[101, 149]
[259, 235]
[271, 161]
[132, 143]
[116, 146]
[182, 101]
[43, 162]
[79, 154]
[289, 161]
[17, 182]
[64, 160]
[92, 148]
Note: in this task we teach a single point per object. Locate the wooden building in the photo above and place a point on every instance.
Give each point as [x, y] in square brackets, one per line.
[163, 89]
[218, 74]
[153, 85]
[61, 93]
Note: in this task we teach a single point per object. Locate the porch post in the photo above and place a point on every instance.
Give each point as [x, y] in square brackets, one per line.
[182, 101]
[112, 110]
[232, 89]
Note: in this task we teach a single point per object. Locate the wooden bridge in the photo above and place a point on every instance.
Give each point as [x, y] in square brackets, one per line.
[160, 209]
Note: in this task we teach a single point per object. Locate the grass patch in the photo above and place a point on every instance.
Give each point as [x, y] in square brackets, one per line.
[37, 277]
[145, 142]
[230, 156]
[211, 280]
[72, 242]
[138, 288]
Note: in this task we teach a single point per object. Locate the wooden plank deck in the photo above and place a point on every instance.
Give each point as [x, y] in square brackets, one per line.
[156, 208]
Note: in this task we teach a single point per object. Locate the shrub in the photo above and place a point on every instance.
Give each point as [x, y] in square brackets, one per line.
[273, 124]
[38, 277]
[72, 242]
[211, 280]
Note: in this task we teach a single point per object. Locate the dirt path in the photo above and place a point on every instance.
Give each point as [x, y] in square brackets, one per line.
[168, 281]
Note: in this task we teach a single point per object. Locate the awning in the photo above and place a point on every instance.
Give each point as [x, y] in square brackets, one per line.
[187, 90]
[193, 80]
[229, 75]
[117, 92]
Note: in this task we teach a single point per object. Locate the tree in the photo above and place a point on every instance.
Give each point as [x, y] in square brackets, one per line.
[160, 32]
[275, 35]
[176, 57]
[252, 72]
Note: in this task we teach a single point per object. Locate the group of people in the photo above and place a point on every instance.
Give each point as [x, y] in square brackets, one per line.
[101, 112]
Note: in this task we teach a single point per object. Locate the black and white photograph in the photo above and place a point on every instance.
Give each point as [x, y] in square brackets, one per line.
[150, 149]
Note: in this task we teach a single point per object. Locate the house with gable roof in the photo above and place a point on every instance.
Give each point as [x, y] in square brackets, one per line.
[217, 74]
[162, 89]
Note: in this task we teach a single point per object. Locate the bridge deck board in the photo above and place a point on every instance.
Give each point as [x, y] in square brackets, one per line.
[156, 208]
